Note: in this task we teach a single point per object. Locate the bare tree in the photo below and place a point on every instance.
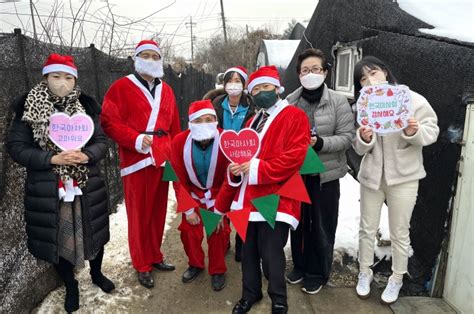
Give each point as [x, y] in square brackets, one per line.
[241, 49]
[68, 27]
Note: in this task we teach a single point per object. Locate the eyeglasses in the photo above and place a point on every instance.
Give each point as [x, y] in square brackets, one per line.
[314, 70]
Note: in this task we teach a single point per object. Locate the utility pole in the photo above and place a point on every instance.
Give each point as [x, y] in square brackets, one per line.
[35, 35]
[223, 21]
[191, 24]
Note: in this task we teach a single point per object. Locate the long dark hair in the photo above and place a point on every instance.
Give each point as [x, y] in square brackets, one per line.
[372, 63]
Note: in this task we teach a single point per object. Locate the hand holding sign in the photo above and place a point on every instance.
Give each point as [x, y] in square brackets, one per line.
[366, 133]
[235, 169]
[69, 157]
[240, 147]
[412, 127]
[384, 108]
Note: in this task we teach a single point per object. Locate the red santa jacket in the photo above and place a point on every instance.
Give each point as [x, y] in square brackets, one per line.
[284, 141]
[182, 162]
[129, 110]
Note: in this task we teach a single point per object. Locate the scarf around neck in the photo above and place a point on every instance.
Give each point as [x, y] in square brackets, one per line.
[40, 104]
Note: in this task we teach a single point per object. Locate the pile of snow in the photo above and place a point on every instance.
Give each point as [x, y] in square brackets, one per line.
[117, 266]
[452, 19]
[347, 234]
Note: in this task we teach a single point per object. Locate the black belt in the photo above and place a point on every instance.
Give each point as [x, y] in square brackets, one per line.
[159, 133]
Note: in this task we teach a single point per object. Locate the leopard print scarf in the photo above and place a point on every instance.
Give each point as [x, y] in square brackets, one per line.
[40, 104]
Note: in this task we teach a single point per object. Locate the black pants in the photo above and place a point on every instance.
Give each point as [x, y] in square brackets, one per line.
[312, 243]
[238, 245]
[66, 270]
[265, 244]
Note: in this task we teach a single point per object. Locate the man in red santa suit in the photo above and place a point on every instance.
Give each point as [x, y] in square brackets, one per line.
[201, 168]
[140, 114]
[284, 135]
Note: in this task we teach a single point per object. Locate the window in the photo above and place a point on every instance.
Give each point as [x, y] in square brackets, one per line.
[346, 58]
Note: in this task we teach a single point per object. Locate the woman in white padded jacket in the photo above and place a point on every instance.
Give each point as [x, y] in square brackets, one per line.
[390, 171]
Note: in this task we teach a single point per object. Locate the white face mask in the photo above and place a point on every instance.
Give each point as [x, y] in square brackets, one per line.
[149, 67]
[312, 81]
[203, 131]
[234, 89]
[60, 87]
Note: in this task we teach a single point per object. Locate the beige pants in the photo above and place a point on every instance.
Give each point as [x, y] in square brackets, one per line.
[401, 199]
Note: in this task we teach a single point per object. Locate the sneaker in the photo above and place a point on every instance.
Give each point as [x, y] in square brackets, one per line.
[390, 294]
[312, 289]
[363, 285]
[294, 277]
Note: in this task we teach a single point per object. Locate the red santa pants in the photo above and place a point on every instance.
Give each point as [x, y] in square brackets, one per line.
[146, 199]
[218, 243]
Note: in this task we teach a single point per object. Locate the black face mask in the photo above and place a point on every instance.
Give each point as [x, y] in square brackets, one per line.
[265, 99]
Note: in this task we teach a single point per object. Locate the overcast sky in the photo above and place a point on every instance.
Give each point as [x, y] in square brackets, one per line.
[171, 21]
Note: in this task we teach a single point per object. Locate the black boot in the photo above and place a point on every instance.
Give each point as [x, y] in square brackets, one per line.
[71, 302]
[98, 278]
[66, 272]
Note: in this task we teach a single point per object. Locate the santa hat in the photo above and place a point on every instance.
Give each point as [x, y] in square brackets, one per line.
[147, 45]
[266, 74]
[60, 63]
[241, 70]
[200, 108]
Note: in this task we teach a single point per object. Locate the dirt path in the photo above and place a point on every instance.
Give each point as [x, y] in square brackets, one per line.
[170, 295]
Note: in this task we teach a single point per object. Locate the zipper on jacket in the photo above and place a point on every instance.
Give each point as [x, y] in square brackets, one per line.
[383, 163]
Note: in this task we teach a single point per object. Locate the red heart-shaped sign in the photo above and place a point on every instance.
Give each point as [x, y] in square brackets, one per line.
[239, 147]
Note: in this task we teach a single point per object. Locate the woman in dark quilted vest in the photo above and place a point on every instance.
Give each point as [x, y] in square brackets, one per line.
[66, 208]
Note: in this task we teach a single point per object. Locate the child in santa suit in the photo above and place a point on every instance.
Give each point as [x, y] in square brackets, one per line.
[201, 169]
[284, 136]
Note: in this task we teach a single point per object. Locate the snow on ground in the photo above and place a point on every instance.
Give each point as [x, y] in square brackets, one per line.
[452, 19]
[347, 234]
[116, 265]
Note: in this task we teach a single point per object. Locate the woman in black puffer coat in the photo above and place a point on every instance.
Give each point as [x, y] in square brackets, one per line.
[66, 207]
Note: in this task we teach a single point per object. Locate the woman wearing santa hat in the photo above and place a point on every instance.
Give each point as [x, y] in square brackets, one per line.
[284, 134]
[201, 168]
[66, 209]
[234, 108]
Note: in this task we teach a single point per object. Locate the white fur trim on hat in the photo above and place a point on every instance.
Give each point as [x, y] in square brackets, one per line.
[59, 68]
[202, 112]
[244, 75]
[147, 47]
[265, 79]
